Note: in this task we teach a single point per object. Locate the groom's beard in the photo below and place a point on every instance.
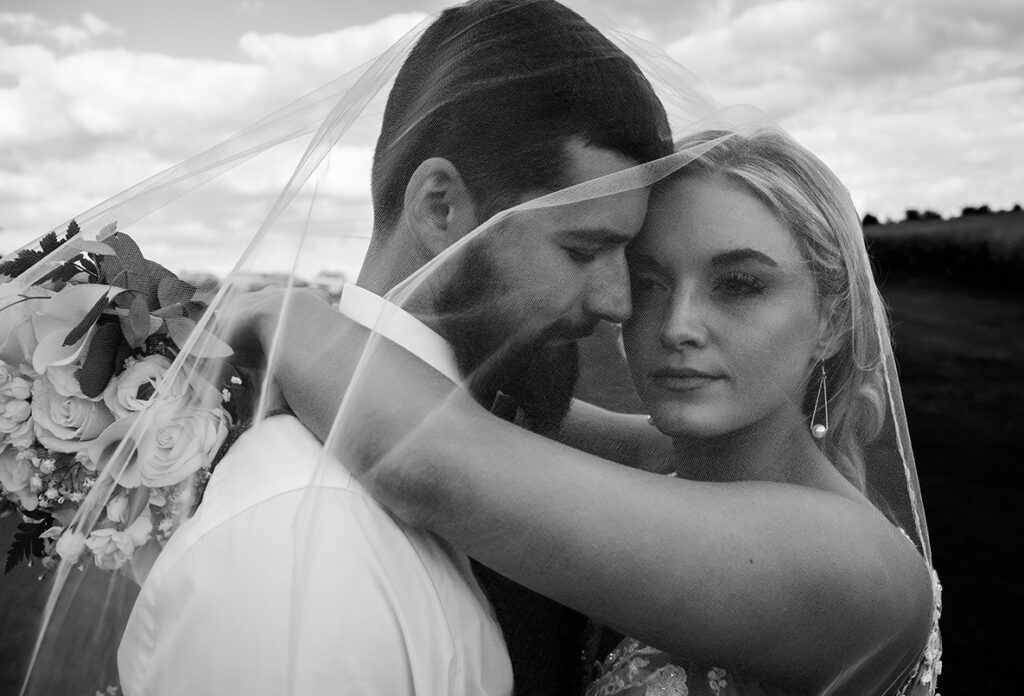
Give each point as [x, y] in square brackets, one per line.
[496, 350]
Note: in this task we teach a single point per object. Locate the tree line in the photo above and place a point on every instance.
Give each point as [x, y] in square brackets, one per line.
[914, 215]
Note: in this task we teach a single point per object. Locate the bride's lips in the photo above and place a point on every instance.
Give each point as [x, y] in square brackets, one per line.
[682, 379]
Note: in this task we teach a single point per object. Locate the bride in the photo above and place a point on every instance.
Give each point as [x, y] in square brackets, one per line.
[759, 345]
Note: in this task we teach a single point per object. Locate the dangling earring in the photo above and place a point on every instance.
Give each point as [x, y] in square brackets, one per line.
[818, 430]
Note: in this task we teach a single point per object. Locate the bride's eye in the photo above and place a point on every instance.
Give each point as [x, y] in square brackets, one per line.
[739, 284]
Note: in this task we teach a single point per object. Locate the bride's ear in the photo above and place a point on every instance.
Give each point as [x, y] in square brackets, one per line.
[438, 206]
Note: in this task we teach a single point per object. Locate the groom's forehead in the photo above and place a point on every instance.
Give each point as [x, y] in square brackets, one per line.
[599, 219]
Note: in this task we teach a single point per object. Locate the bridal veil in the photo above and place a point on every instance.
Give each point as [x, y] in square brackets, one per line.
[299, 197]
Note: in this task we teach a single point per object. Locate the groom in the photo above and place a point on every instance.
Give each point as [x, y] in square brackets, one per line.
[499, 102]
[568, 107]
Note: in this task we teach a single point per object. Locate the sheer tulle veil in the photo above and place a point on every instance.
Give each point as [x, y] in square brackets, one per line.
[300, 185]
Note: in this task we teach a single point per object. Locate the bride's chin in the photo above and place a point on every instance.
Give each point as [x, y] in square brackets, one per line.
[686, 422]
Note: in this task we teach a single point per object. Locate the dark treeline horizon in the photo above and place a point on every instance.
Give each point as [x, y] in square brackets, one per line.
[917, 215]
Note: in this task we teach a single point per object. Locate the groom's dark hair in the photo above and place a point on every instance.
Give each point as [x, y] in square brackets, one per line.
[499, 88]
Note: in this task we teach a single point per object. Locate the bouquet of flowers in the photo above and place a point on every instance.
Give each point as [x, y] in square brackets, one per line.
[94, 462]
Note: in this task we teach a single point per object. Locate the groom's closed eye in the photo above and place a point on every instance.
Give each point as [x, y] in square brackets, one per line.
[585, 244]
[581, 255]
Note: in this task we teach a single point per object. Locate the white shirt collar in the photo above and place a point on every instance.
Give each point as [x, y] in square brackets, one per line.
[398, 326]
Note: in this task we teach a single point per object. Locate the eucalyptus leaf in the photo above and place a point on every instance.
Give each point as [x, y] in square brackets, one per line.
[108, 230]
[174, 310]
[138, 317]
[179, 329]
[172, 290]
[98, 248]
[101, 361]
[206, 345]
[128, 267]
[135, 322]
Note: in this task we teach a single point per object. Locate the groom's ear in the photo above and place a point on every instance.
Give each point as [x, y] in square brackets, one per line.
[438, 206]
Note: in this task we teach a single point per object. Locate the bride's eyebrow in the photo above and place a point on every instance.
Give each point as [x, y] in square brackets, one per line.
[734, 256]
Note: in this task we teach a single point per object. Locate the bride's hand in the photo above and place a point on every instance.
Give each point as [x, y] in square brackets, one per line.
[250, 321]
[270, 331]
[316, 357]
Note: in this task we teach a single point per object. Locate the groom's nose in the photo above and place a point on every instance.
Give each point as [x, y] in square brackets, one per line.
[608, 292]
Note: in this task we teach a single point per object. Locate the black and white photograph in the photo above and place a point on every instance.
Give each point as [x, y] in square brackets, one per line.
[510, 347]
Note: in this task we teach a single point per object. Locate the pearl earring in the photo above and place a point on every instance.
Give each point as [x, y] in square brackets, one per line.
[818, 430]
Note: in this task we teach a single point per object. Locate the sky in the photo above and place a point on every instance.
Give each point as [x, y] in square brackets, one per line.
[914, 103]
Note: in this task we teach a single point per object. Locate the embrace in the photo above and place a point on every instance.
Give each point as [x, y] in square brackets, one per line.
[421, 506]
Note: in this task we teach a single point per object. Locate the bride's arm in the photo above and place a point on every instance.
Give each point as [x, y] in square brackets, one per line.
[623, 438]
[783, 582]
[791, 584]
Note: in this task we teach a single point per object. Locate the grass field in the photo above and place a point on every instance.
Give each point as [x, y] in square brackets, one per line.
[972, 251]
[959, 344]
[963, 378]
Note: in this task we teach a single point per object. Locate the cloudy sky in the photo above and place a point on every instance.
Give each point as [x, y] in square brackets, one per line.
[915, 103]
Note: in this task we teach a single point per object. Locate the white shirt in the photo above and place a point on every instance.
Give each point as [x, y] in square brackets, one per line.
[282, 586]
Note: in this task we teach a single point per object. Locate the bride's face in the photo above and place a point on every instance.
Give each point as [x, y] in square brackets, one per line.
[725, 323]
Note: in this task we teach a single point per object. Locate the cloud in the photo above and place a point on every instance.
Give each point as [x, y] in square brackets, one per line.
[82, 123]
[65, 36]
[329, 54]
[941, 150]
[819, 50]
[914, 103]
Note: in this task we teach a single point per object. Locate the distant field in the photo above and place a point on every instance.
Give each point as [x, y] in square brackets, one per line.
[982, 249]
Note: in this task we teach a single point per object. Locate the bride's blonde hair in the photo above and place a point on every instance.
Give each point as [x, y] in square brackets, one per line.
[815, 206]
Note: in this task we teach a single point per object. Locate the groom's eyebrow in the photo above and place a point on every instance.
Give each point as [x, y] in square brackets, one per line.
[599, 235]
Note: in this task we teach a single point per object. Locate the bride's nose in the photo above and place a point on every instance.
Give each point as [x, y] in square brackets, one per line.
[684, 323]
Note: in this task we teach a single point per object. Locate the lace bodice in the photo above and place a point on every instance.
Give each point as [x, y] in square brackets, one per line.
[635, 669]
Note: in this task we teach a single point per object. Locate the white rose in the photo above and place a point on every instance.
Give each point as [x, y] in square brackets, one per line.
[15, 479]
[111, 548]
[130, 391]
[66, 423]
[12, 384]
[162, 445]
[65, 381]
[179, 442]
[15, 409]
[116, 508]
[70, 546]
[17, 335]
